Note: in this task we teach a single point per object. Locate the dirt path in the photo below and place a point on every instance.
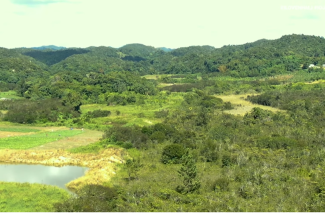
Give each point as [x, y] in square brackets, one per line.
[242, 106]
[87, 137]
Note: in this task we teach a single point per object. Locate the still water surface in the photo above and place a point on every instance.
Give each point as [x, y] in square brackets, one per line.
[49, 175]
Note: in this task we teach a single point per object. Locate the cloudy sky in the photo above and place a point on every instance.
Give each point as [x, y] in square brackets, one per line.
[158, 23]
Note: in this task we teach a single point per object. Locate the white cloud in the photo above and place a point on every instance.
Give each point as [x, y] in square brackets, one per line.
[169, 23]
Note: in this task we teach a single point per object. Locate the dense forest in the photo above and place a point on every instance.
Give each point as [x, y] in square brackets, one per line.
[194, 155]
[36, 73]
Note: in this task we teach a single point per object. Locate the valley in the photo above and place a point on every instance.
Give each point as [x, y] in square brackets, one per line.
[194, 129]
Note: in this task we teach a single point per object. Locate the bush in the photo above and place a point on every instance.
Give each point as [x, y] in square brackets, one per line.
[227, 106]
[127, 145]
[132, 135]
[91, 198]
[209, 151]
[172, 154]
[98, 113]
[158, 136]
[221, 184]
[277, 142]
[161, 114]
[228, 160]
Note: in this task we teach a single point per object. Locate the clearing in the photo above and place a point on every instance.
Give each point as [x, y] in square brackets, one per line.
[242, 106]
[87, 137]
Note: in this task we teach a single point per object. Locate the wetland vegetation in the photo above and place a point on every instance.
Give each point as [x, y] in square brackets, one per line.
[197, 129]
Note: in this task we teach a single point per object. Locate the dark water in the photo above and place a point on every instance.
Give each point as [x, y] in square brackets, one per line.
[49, 175]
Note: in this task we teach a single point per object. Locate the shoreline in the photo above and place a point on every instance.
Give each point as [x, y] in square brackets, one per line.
[102, 166]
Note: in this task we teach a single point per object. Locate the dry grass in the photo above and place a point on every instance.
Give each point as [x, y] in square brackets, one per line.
[151, 76]
[42, 129]
[102, 165]
[315, 82]
[242, 106]
[282, 77]
[87, 137]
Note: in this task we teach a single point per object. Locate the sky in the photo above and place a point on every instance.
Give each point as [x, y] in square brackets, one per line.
[157, 23]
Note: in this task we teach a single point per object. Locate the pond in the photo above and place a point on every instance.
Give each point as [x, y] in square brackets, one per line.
[49, 175]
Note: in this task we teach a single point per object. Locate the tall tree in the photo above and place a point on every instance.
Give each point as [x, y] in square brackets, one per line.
[188, 173]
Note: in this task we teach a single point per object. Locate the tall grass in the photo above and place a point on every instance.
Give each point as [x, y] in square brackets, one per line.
[25, 197]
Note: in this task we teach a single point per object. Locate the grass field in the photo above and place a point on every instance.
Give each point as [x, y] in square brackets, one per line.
[25, 197]
[134, 114]
[242, 106]
[19, 129]
[10, 95]
[82, 139]
[34, 140]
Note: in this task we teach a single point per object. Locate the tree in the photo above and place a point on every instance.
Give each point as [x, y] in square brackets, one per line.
[188, 172]
[133, 167]
[222, 68]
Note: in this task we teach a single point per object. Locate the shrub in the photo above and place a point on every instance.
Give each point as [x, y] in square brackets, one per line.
[172, 154]
[228, 160]
[126, 134]
[91, 198]
[98, 113]
[221, 184]
[127, 145]
[161, 114]
[209, 151]
[158, 136]
[141, 115]
[227, 106]
[277, 142]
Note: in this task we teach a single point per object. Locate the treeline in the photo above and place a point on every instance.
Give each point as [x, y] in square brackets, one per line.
[42, 111]
[87, 87]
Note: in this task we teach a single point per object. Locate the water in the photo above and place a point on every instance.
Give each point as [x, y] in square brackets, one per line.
[49, 175]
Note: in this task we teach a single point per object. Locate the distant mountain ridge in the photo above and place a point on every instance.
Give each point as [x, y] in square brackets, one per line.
[165, 49]
[49, 47]
[262, 57]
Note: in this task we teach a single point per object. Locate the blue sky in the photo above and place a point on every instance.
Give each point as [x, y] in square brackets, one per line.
[158, 23]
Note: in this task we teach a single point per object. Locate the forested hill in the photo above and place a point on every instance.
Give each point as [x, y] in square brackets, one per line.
[263, 57]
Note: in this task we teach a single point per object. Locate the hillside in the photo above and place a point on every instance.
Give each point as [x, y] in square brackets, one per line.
[287, 54]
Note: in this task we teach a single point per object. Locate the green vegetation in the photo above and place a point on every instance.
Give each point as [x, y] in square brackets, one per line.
[248, 163]
[9, 95]
[169, 113]
[25, 197]
[35, 140]
[19, 129]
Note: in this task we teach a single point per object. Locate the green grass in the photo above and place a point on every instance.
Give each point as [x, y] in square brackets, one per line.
[141, 115]
[35, 140]
[25, 197]
[10, 95]
[18, 129]
[90, 148]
